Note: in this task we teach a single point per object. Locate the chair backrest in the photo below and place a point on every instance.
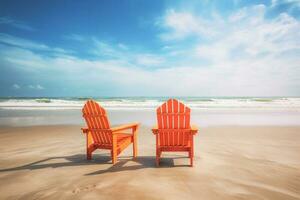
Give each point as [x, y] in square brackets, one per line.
[173, 120]
[97, 122]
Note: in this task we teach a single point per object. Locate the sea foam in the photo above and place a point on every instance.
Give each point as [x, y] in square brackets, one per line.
[136, 103]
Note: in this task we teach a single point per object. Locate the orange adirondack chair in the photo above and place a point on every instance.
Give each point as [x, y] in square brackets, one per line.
[99, 134]
[173, 131]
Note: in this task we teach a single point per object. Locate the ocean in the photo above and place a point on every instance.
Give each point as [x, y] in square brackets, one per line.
[206, 111]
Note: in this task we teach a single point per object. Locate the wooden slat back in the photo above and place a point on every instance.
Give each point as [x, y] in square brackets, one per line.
[173, 120]
[97, 122]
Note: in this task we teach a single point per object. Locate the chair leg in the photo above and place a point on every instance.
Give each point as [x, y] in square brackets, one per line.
[89, 151]
[114, 157]
[88, 154]
[192, 151]
[191, 161]
[89, 146]
[191, 155]
[134, 148]
[158, 153]
[114, 152]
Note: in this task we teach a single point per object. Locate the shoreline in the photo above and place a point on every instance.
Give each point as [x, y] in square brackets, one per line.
[148, 117]
[148, 103]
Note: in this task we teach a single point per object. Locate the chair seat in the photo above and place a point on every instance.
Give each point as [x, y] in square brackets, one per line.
[123, 138]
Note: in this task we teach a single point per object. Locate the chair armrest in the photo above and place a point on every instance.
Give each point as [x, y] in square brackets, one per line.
[155, 129]
[84, 130]
[124, 127]
[194, 129]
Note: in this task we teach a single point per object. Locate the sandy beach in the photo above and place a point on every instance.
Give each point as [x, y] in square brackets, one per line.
[232, 162]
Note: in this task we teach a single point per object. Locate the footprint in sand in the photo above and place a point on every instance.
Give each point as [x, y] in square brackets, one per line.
[84, 189]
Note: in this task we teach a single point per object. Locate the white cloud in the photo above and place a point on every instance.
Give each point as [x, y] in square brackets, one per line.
[36, 87]
[32, 87]
[247, 55]
[28, 44]
[11, 40]
[16, 86]
[15, 23]
[75, 37]
[39, 87]
[23, 59]
[251, 36]
[259, 77]
[251, 14]
[123, 46]
[182, 24]
[149, 60]
[104, 49]
[121, 53]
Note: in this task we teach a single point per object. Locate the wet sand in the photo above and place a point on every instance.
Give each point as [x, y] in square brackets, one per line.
[232, 162]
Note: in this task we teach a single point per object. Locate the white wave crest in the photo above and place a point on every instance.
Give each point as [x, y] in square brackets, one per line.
[137, 103]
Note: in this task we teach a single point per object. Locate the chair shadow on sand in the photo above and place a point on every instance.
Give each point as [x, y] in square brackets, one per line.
[141, 162]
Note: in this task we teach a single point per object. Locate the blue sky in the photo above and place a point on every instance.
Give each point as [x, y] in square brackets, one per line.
[150, 48]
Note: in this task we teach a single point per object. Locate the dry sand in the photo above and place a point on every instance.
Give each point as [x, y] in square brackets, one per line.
[48, 162]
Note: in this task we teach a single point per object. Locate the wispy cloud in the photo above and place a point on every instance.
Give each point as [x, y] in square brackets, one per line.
[75, 37]
[179, 25]
[20, 42]
[28, 44]
[123, 46]
[16, 86]
[294, 3]
[149, 60]
[103, 48]
[15, 23]
[122, 53]
[36, 87]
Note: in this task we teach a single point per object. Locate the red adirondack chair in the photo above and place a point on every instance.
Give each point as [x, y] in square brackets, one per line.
[99, 134]
[173, 131]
